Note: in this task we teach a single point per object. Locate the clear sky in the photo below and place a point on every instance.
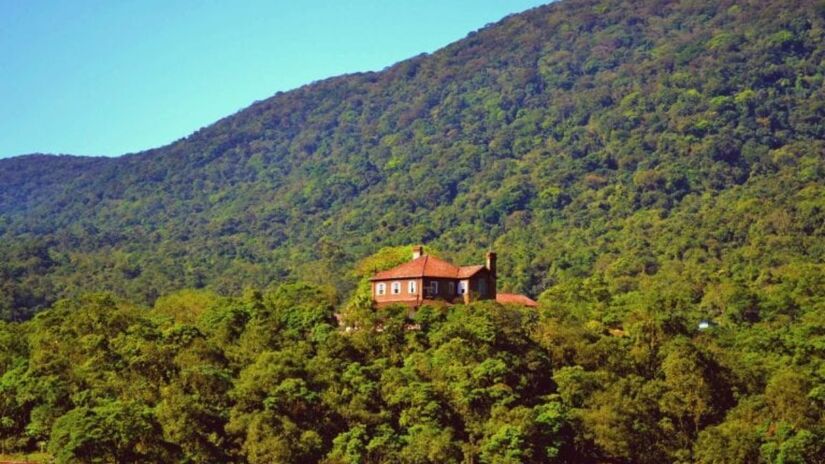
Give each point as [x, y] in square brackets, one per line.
[108, 77]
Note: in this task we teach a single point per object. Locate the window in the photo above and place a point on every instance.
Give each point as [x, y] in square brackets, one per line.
[381, 288]
[451, 286]
[434, 288]
[482, 287]
[396, 288]
[462, 287]
[411, 287]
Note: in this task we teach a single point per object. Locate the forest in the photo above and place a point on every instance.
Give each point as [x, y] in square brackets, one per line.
[584, 140]
[270, 376]
[652, 172]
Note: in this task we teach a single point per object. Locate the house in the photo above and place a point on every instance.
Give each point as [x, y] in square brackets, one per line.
[427, 279]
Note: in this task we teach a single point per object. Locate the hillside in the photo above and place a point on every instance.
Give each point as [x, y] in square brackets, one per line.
[601, 147]
[653, 171]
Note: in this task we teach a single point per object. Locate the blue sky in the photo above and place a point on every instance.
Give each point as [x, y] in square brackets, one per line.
[108, 77]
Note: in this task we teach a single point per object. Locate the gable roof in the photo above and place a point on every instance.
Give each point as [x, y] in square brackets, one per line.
[469, 271]
[427, 266]
[513, 298]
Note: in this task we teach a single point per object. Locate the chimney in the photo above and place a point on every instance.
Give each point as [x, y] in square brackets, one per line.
[418, 251]
[491, 262]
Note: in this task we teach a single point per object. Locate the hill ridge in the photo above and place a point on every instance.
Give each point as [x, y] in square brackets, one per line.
[548, 132]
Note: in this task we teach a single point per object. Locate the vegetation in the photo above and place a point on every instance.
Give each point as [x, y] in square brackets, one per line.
[652, 170]
[269, 377]
[34, 458]
[586, 140]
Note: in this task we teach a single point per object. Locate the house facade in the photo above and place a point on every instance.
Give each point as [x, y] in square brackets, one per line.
[427, 279]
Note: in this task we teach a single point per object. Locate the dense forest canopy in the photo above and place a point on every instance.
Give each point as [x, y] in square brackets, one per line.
[652, 171]
[586, 140]
[270, 377]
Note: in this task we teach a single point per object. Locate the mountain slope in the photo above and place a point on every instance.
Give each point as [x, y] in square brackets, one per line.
[599, 146]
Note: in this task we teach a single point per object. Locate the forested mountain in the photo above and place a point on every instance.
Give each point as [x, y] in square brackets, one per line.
[653, 171]
[583, 139]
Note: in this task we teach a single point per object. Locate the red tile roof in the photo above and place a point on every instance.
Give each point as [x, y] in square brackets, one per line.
[468, 271]
[423, 266]
[512, 298]
[427, 266]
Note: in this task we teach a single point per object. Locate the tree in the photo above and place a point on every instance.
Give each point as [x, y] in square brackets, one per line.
[114, 431]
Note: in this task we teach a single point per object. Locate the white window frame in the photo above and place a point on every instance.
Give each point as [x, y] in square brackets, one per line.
[411, 287]
[451, 286]
[434, 287]
[396, 288]
[462, 287]
[381, 288]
